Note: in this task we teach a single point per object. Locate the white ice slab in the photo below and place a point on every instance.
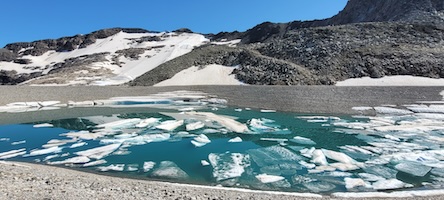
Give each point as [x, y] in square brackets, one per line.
[170, 170]
[147, 166]
[12, 153]
[319, 158]
[235, 140]
[94, 163]
[170, 125]
[45, 125]
[194, 126]
[389, 184]
[303, 140]
[74, 160]
[354, 182]
[228, 165]
[45, 151]
[113, 167]
[99, 152]
[265, 178]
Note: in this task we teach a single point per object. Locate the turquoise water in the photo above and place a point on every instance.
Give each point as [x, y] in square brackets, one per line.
[239, 164]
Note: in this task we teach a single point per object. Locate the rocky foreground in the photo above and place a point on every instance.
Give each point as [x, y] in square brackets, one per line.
[31, 181]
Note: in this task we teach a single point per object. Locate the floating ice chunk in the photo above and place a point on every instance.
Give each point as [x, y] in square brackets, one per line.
[319, 186]
[264, 178]
[198, 144]
[307, 152]
[238, 110]
[370, 177]
[125, 123]
[354, 182]
[45, 125]
[55, 143]
[320, 169]
[236, 139]
[45, 151]
[132, 167]
[357, 149]
[391, 137]
[75, 160]
[12, 153]
[18, 142]
[413, 168]
[303, 140]
[170, 125]
[4, 139]
[76, 145]
[94, 163]
[338, 156]
[344, 166]
[147, 166]
[338, 174]
[204, 163]
[84, 135]
[307, 165]
[382, 171]
[200, 140]
[319, 158]
[210, 131]
[393, 111]
[99, 152]
[323, 118]
[267, 111]
[51, 157]
[170, 170]
[194, 126]
[225, 121]
[430, 109]
[114, 167]
[279, 140]
[147, 122]
[228, 165]
[388, 184]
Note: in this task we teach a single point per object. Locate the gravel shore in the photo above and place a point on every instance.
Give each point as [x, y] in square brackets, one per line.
[32, 181]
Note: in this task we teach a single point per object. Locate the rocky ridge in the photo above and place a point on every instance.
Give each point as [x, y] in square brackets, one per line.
[372, 38]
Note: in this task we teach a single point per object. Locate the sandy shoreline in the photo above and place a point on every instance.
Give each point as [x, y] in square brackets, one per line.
[32, 181]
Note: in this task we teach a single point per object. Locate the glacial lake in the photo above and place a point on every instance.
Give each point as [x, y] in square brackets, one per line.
[244, 148]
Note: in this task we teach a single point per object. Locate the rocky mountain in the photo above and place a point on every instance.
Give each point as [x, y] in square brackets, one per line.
[373, 38]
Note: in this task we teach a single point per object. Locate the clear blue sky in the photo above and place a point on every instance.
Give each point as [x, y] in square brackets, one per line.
[29, 20]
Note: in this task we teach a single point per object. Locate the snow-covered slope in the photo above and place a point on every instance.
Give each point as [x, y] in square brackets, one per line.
[113, 60]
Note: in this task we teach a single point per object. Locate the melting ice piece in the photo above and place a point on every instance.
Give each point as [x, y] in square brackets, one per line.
[265, 178]
[307, 152]
[319, 186]
[344, 166]
[170, 170]
[147, 166]
[303, 140]
[338, 156]
[354, 182]
[18, 142]
[45, 125]
[227, 122]
[132, 167]
[170, 125]
[147, 122]
[75, 160]
[12, 153]
[236, 139]
[194, 126]
[85, 135]
[319, 158]
[200, 140]
[370, 177]
[381, 171]
[45, 151]
[116, 167]
[55, 143]
[413, 168]
[125, 123]
[99, 152]
[268, 111]
[76, 145]
[228, 165]
[204, 163]
[51, 157]
[94, 163]
[388, 184]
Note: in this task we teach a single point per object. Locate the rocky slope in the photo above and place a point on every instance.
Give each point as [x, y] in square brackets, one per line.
[368, 38]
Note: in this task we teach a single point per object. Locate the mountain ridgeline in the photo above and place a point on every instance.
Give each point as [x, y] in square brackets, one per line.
[373, 38]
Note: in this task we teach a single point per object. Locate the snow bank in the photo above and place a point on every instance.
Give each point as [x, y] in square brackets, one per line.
[207, 75]
[392, 81]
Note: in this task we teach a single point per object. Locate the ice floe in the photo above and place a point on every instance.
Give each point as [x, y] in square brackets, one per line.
[228, 165]
[18, 142]
[147, 122]
[168, 169]
[74, 160]
[303, 140]
[235, 140]
[354, 182]
[389, 184]
[147, 166]
[265, 178]
[319, 158]
[413, 168]
[99, 152]
[200, 140]
[94, 163]
[194, 126]
[113, 167]
[12, 153]
[45, 125]
[204, 163]
[38, 152]
[170, 125]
